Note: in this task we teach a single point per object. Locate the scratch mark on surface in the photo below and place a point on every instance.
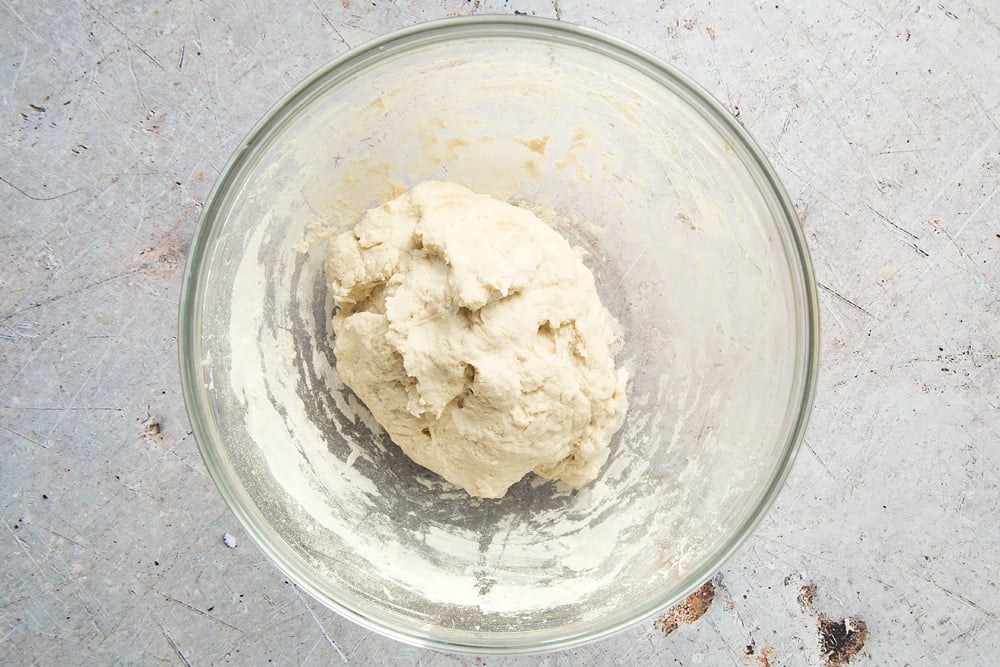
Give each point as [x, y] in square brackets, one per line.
[124, 35]
[208, 84]
[361, 641]
[135, 78]
[68, 539]
[907, 150]
[12, 630]
[43, 42]
[843, 298]
[330, 23]
[86, 96]
[110, 346]
[305, 658]
[357, 24]
[34, 198]
[89, 286]
[198, 611]
[784, 547]
[836, 317]
[173, 644]
[911, 237]
[886, 219]
[863, 14]
[27, 363]
[24, 437]
[273, 619]
[821, 461]
[978, 209]
[809, 183]
[983, 107]
[972, 215]
[326, 634]
[17, 73]
[964, 600]
[722, 640]
[24, 548]
[975, 628]
[75, 530]
[974, 155]
[961, 251]
[784, 127]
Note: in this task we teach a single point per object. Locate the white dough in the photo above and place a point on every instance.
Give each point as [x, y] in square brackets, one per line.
[475, 336]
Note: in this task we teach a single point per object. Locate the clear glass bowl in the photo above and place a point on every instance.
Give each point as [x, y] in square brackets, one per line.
[697, 253]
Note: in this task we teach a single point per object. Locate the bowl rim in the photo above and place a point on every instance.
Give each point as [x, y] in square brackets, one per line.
[198, 402]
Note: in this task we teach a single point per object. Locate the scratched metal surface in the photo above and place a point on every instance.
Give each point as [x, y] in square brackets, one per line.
[883, 120]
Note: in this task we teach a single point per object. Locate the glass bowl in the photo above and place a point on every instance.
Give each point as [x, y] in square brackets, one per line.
[696, 251]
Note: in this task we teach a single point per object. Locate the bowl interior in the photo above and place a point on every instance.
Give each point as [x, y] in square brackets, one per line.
[695, 252]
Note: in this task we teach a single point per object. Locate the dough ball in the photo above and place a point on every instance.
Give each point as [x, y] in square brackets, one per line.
[474, 334]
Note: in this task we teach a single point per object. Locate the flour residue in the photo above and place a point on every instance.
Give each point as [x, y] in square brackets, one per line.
[392, 538]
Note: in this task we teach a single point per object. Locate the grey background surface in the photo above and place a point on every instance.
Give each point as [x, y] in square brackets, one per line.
[883, 119]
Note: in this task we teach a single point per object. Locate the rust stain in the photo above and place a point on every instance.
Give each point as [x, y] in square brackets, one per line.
[806, 597]
[688, 611]
[765, 655]
[763, 658]
[167, 253]
[840, 641]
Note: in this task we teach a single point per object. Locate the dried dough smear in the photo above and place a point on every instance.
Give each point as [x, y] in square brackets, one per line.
[474, 334]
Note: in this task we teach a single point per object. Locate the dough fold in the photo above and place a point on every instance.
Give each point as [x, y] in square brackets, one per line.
[475, 335]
